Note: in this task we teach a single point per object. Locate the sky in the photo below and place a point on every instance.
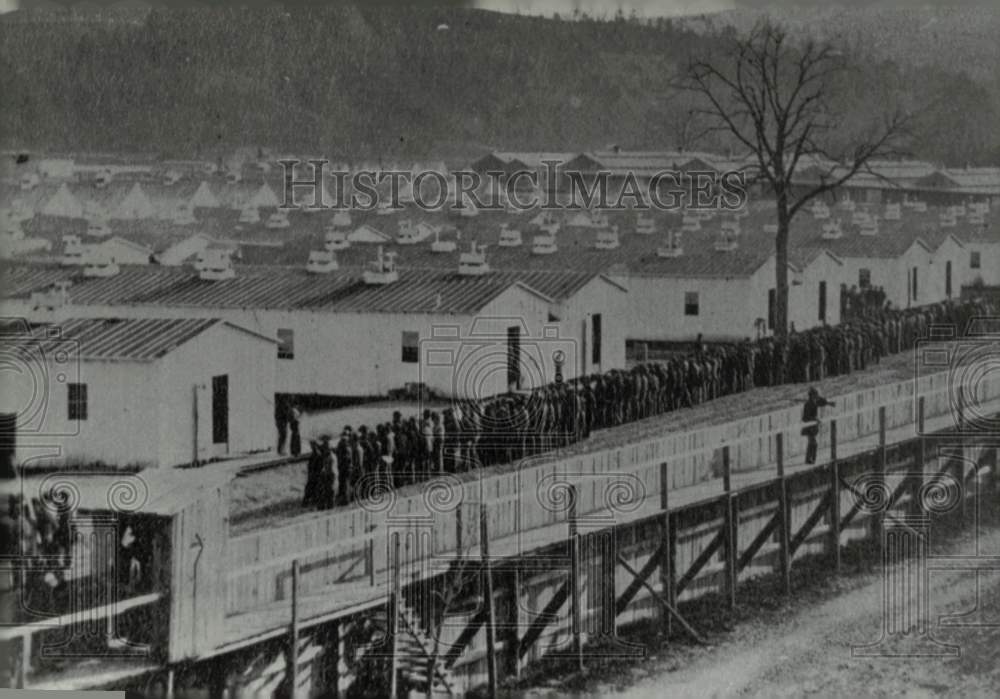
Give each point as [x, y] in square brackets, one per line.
[643, 8]
[594, 8]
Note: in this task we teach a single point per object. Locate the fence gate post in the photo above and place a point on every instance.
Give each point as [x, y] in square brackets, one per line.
[394, 620]
[667, 575]
[784, 516]
[880, 471]
[574, 544]
[517, 621]
[730, 523]
[293, 641]
[834, 499]
[921, 460]
[491, 619]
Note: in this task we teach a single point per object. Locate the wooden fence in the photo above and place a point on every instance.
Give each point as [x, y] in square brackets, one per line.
[528, 508]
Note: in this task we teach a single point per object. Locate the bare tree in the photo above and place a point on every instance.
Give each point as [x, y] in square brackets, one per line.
[785, 102]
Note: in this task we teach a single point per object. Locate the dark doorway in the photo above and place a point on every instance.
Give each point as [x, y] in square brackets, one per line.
[596, 331]
[514, 356]
[947, 278]
[220, 409]
[772, 308]
[8, 444]
[822, 301]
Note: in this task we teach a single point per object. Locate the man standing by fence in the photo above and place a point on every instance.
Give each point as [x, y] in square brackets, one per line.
[810, 418]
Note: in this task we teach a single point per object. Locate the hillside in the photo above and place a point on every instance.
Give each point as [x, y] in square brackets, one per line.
[962, 36]
[367, 81]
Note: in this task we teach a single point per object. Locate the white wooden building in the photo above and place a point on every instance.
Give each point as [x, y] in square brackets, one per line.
[139, 392]
[981, 261]
[339, 336]
[814, 289]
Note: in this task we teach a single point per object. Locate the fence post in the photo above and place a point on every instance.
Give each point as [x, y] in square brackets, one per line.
[517, 621]
[882, 437]
[784, 516]
[834, 499]
[921, 459]
[730, 525]
[371, 562]
[293, 654]
[394, 620]
[491, 620]
[574, 544]
[876, 518]
[332, 683]
[667, 575]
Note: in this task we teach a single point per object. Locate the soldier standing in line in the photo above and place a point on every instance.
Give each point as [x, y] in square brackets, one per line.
[281, 420]
[387, 447]
[437, 443]
[310, 495]
[427, 446]
[414, 457]
[328, 475]
[810, 416]
[345, 466]
[374, 457]
[359, 441]
[295, 445]
[587, 396]
[452, 448]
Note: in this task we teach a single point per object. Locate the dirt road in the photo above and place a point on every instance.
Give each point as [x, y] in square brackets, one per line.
[778, 647]
[810, 652]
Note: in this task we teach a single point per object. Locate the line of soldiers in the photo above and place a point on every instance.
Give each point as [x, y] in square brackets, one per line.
[866, 301]
[513, 426]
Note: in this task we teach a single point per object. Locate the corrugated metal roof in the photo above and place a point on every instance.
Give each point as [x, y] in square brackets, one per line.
[417, 291]
[114, 339]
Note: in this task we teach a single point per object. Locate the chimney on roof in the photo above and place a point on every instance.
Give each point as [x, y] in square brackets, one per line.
[383, 270]
[473, 263]
[53, 298]
[98, 262]
[673, 248]
[214, 264]
[322, 262]
[832, 230]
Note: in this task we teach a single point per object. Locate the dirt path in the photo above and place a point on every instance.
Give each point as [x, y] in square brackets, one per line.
[810, 653]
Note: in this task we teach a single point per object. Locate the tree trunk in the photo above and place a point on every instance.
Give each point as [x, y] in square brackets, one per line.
[781, 270]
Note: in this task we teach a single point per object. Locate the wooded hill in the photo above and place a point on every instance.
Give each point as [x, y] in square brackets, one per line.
[370, 81]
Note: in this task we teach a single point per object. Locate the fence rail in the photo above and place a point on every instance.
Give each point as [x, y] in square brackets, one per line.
[611, 486]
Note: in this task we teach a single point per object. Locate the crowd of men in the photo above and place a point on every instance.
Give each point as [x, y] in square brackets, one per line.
[509, 427]
[36, 540]
[866, 301]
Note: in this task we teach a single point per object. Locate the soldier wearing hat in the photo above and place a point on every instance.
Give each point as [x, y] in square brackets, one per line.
[810, 419]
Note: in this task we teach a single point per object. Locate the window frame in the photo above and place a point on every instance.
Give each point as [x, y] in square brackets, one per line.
[77, 406]
[410, 353]
[688, 305]
[284, 353]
